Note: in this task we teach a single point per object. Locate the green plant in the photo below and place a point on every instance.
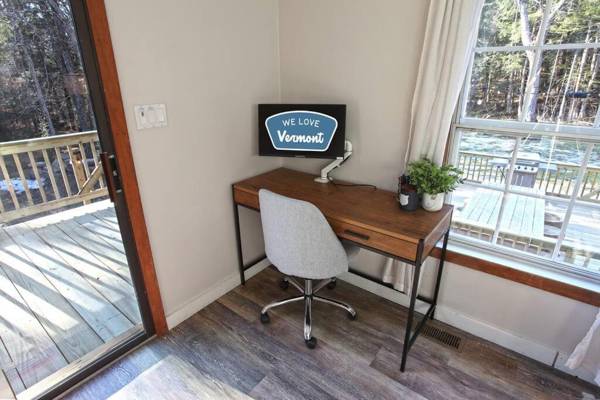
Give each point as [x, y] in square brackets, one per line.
[429, 178]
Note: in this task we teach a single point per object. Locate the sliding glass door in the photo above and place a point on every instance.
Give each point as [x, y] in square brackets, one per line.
[71, 294]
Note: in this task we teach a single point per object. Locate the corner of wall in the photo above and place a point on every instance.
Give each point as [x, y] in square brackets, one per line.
[584, 372]
[205, 298]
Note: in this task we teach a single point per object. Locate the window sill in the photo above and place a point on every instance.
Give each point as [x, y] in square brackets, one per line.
[563, 284]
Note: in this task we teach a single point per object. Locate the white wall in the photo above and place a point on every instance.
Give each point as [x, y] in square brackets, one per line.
[211, 62]
[359, 53]
[366, 54]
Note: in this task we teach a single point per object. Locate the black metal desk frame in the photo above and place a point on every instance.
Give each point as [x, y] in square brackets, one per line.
[409, 336]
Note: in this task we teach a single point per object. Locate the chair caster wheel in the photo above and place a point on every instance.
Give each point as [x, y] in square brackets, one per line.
[331, 285]
[311, 343]
[352, 317]
[283, 284]
[264, 318]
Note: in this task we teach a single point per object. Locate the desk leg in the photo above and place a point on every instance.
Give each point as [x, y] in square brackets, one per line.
[439, 274]
[238, 239]
[411, 313]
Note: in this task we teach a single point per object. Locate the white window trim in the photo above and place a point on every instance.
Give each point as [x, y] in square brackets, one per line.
[517, 128]
[539, 48]
[589, 135]
[573, 200]
[546, 47]
[507, 253]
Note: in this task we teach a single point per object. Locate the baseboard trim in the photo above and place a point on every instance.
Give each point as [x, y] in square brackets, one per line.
[205, 298]
[382, 291]
[461, 321]
[584, 372]
[506, 339]
[514, 342]
[484, 330]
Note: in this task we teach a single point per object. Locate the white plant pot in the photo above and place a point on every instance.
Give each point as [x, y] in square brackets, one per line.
[433, 202]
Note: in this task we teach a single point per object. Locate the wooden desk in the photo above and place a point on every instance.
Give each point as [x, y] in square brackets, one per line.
[366, 217]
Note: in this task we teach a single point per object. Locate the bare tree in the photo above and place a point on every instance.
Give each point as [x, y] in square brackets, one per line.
[42, 82]
[13, 11]
[534, 59]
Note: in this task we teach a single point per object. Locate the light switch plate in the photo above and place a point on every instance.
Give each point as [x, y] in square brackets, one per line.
[150, 116]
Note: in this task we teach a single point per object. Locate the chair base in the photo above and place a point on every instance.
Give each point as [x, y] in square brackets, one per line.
[308, 296]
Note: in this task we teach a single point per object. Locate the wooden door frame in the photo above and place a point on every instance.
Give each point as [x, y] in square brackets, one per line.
[107, 69]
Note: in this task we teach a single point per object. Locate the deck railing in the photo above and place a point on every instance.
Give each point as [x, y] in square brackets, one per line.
[553, 178]
[44, 174]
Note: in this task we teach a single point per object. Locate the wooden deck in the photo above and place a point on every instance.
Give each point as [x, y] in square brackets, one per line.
[65, 289]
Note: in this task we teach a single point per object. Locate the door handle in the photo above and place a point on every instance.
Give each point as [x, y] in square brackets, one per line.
[110, 173]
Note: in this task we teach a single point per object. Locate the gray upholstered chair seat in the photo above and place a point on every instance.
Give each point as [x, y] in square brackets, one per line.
[300, 243]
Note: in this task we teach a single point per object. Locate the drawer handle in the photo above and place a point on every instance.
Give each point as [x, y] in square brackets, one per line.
[356, 234]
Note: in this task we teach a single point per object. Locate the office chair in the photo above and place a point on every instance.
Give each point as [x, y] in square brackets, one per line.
[300, 243]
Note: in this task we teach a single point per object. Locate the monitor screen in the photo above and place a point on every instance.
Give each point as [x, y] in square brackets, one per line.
[302, 130]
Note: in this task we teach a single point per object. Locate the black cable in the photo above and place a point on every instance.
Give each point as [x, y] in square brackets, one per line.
[352, 184]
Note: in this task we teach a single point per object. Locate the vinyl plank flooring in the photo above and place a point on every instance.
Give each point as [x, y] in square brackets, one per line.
[330, 323]
[176, 379]
[274, 387]
[122, 372]
[254, 349]
[434, 379]
[225, 343]
[514, 373]
[291, 334]
[334, 370]
[223, 355]
[332, 356]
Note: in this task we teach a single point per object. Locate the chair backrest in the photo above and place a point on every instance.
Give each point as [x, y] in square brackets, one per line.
[298, 238]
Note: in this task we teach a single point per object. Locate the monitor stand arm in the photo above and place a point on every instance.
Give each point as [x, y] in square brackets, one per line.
[324, 178]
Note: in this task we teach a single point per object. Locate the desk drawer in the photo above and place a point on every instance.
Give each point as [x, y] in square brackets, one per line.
[375, 240]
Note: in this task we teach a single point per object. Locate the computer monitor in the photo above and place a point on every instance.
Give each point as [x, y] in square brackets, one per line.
[302, 130]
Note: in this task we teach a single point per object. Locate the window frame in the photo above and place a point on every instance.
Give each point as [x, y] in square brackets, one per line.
[589, 136]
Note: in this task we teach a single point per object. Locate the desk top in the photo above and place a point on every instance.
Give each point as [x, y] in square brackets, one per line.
[375, 210]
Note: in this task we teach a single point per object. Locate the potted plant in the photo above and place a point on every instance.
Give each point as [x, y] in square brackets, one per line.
[433, 182]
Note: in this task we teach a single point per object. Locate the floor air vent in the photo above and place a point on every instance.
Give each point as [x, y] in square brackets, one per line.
[442, 336]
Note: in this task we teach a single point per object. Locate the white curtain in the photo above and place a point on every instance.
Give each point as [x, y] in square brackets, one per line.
[586, 349]
[449, 36]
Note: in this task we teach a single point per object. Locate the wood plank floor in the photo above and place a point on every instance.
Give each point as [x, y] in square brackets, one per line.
[65, 290]
[225, 352]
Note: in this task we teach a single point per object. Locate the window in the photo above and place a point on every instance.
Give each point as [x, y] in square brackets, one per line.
[527, 135]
